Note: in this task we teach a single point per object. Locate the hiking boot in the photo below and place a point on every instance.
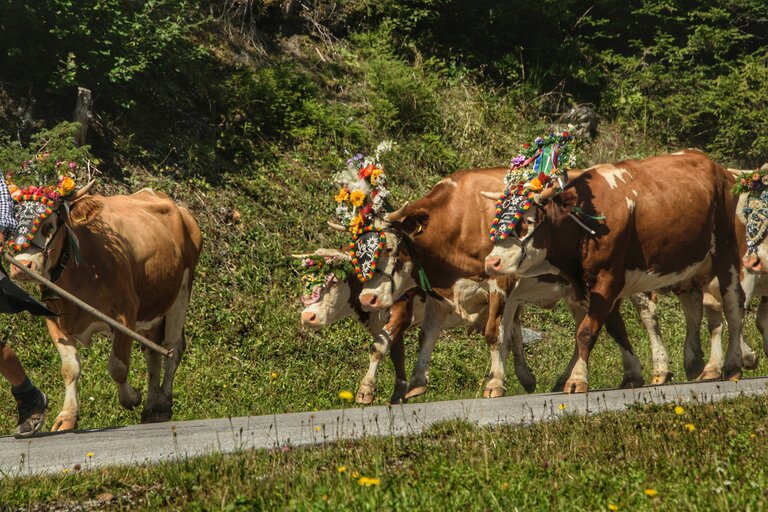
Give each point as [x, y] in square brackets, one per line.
[31, 414]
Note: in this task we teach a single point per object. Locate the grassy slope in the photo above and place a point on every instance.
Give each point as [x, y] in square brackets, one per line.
[243, 320]
[710, 457]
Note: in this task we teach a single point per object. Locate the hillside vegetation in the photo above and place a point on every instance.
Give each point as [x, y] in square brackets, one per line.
[242, 110]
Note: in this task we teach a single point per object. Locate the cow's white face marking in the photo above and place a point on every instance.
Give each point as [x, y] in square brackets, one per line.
[610, 174]
[532, 262]
[630, 204]
[332, 306]
[762, 247]
[387, 290]
[33, 255]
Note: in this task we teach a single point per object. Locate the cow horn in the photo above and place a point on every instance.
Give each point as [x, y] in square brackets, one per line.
[336, 226]
[83, 190]
[397, 214]
[491, 195]
[549, 193]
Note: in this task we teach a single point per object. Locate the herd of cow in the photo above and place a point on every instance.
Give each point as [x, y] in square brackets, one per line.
[593, 237]
[669, 223]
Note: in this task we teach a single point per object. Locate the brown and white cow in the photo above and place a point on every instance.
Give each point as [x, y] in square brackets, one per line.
[446, 235]
[667, 221]
[137, 258]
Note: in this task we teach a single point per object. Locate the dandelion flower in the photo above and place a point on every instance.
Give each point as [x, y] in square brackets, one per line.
[317, 428]
[368, 482]
[650, 492]
[613, 507]
[562, 407]
[273, 375]
[89, 455]
[346, 395]
[679, 410]
[355, 474]
[690, 427]
[341, 469]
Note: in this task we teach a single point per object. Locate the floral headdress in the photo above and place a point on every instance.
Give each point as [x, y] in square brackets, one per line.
[33, 203]
[318, 271]
[755, 183]
[362, 196]
[550, 156]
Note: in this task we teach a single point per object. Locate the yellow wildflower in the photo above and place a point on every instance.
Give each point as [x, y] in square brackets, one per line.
[368, 482]
[536, 184]
[317, 428]
[341, 469]
[504, 486]
[342, 196]
[355, 474]
[562, 407]
[651, 492]
[690, 427]
[346, 395]
[357, 197]
[89, 455]
[679, 410]
[273, 375]
[613, 507]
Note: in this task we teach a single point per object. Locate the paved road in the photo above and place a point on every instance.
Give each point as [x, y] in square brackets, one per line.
[137, 444]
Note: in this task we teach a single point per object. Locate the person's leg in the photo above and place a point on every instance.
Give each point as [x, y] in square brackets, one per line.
[31, 403]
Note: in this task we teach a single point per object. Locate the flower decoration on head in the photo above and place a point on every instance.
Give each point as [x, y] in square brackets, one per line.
[755, 205]
[362, 192]
[320, 270]
[751, 181]
[535, 168]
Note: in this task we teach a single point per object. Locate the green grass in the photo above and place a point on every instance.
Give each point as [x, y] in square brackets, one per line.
[576, 463]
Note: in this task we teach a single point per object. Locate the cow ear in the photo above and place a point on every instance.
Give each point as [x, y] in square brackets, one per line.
[85, 210]
[415, 223]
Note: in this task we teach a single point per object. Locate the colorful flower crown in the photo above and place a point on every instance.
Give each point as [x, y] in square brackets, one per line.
[64, 187]
[753, 181]
[362, 189]
[318, 271]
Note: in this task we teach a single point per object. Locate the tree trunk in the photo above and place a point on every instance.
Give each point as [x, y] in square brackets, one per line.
[83, 114]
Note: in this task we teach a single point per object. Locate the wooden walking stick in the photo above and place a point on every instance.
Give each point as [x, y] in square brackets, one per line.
[90, 309]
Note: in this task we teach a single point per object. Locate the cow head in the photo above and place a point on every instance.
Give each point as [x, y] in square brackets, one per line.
[516, 253]
[752, 212]
[395, 267]
[327, 292]
[45, 237]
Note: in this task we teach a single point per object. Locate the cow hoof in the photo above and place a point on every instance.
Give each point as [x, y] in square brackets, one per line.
[749, 361]
[494, 392]
[156, 416]
[398, 395]
[575, 386]
[129, 398]
[62, 423]
[416, 391]
[709, 373]
[631, 382]
[364, 396]
[660, 378]
[732, 375]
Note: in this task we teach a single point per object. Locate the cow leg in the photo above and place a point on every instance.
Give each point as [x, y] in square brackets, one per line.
[511, 330]
[578, 311]
[382, 339]
[119, 364]
[154, 372]
[691, 301]
[633, 370]
[495, 337]
[762, 321]
[70, 371]
[397, 356]
[645, 305]
[433, 323]
[715, 327]
[601, 302]
[733, 306]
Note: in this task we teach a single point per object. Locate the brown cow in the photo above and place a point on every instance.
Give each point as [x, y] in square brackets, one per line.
[446, 235]
[137, 257]
[667, 220]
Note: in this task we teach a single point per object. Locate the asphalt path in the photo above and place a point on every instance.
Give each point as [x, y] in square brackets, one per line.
[146, 444]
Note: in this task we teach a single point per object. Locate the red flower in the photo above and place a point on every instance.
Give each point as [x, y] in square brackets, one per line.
[566, 134]
[365, 171]
[526, 146]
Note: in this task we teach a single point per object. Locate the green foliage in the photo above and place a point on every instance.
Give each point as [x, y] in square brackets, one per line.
[49, 154]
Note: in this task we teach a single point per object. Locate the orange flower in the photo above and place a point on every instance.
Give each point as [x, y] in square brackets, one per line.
[366, 171]
[342, 196]
[536, 184]
[356, 222]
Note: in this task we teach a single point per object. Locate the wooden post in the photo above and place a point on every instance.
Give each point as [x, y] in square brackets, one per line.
[83, 114]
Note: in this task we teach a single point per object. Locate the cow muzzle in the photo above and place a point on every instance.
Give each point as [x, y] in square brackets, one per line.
[493, 265]
[370, 301]
[752, 263]
[18, 275]
[309, 319]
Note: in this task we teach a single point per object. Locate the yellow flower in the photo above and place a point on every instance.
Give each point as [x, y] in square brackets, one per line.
[67, 184]
[679, 410]
[562, 407]
[318, 429]
[504, 486]
[375, 175]
[273, 375]
[346, 395]
[355, 474]
[341, 469]
[536, 184]
[613, 507]
[89, 455]
[368, 482]
[357, 197]
[690, 427]
[342, 196]
[356, 222]
[752, 436]
[651, 492]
